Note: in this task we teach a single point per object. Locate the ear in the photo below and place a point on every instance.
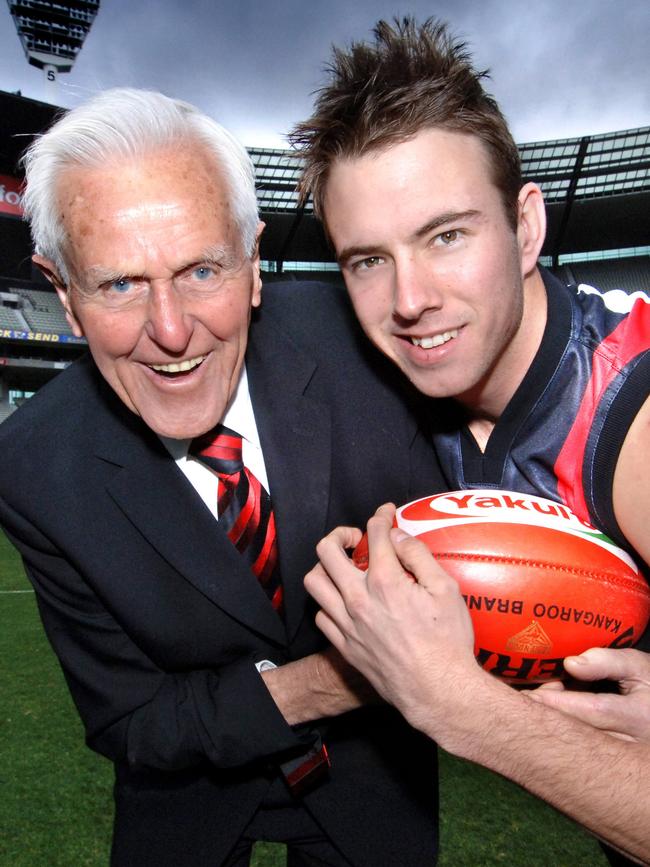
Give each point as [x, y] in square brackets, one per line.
[531, 226]
[50, 271]
[256, 299]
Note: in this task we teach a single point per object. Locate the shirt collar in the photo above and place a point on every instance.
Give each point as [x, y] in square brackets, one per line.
[238, 416]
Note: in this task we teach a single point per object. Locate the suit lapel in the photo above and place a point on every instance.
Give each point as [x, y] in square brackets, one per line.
[158, 500]
[295, 433]
[295, 436]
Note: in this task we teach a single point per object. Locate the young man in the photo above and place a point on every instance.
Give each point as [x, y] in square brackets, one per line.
[416, 177]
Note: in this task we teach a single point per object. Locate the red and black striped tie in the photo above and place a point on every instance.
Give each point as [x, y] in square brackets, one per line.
[244, 507]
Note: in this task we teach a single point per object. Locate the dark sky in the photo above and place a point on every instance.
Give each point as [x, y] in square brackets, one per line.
[559, 67]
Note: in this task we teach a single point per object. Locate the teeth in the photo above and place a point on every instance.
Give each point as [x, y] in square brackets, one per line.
[436, 340]
[178, 366]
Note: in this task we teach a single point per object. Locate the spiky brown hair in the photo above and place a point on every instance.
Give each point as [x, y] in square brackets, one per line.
[413, 77]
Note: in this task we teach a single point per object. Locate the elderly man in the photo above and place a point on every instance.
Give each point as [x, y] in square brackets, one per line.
[417, 179]
[187, 642]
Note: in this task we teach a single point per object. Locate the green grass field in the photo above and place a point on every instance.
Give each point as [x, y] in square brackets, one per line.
[55, 794]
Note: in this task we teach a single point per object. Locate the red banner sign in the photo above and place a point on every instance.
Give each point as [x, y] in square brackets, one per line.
[10, 196]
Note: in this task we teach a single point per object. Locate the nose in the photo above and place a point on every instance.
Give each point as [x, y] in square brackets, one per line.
[415, 289]
[167, 322]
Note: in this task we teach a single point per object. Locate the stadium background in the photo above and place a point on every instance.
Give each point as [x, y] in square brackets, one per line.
[597, 190]
[55, 799]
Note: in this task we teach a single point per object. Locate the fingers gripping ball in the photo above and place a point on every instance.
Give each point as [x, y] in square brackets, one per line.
[539, 583]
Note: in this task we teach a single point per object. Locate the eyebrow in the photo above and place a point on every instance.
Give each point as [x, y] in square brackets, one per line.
[218, 254]
[97, 276]
[430, 226]
[443, 219]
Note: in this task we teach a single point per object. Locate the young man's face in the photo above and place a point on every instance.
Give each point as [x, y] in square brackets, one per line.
[433, 268]
[160, 285]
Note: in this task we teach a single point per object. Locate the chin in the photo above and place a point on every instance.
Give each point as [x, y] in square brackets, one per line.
[178, 428]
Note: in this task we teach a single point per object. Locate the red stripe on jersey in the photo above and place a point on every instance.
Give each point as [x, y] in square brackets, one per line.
[627, 340]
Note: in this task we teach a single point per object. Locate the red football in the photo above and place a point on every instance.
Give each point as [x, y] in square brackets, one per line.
[540, 584]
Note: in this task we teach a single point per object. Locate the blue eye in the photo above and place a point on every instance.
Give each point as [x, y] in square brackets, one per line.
[203, 273]
[121, 286]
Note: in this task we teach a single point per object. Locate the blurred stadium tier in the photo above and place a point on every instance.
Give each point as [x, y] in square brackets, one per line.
[597, 190]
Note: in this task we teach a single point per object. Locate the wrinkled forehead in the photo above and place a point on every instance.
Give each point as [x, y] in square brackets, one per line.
[158, 176]
[169, 191]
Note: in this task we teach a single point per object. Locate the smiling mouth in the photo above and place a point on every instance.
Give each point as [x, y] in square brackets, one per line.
[435, 339]
[178, 367]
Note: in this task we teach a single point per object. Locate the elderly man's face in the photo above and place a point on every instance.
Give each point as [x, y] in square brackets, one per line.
[160, 285]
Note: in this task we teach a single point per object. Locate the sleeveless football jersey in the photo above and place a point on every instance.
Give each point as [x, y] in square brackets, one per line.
[561, 434]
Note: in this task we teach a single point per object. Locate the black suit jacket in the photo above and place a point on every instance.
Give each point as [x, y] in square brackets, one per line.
[157, 622]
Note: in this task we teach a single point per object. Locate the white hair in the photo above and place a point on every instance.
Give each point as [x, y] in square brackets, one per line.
[127, 123]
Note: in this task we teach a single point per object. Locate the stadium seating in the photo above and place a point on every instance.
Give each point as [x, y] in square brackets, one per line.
[43, 311]
[10, 319]
[630, 274]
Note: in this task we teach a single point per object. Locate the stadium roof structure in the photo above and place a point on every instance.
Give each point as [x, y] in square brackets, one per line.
[597, 188]
[53, 31]
[598, 165]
